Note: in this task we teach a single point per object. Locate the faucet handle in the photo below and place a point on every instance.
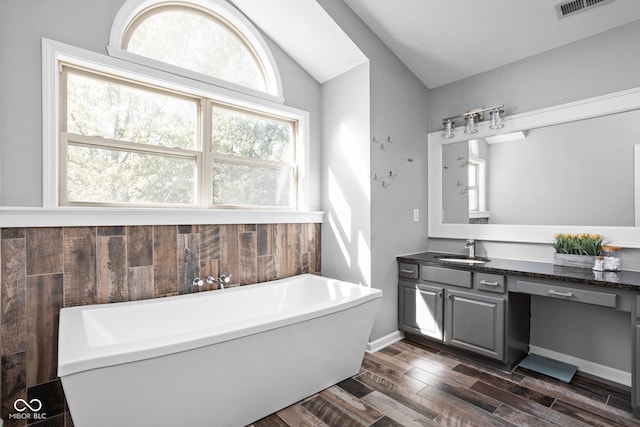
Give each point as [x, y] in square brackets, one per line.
[224, 278]
[197, 282]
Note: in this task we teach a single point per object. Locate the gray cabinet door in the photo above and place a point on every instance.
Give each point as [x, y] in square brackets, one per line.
[420, 309]
[475, 323]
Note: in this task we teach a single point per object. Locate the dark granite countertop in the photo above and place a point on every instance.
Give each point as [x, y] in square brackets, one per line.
[628, 280]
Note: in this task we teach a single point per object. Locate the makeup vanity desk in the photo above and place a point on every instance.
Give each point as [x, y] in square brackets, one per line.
[485, 308]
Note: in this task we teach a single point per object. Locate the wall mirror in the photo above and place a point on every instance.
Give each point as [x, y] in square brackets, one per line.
[571, 168]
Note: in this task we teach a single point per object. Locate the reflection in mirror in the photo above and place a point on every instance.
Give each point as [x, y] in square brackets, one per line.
[579, 173]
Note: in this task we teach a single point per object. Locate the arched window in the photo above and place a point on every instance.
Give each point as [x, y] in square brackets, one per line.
[198, 41]
[207, 37]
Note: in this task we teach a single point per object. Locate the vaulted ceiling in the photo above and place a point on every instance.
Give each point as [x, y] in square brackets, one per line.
[440, 41]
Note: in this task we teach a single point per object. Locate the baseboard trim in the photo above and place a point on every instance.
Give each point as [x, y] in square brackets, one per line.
[380, 343]
[586, 366]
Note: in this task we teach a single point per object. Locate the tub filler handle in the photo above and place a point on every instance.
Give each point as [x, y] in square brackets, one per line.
[222, 280]
[197, 282]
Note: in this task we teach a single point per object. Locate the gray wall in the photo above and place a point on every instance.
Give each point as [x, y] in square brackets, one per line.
[398, 108]
[346, 232]
[85, 24]
[455, 178]
[595, 66]
[601, 64]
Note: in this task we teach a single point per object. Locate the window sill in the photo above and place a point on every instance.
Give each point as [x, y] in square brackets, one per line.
[67, 217]
[479, 214]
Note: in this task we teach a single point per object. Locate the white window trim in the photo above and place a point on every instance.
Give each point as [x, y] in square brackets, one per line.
[53, 53]
[133, 8]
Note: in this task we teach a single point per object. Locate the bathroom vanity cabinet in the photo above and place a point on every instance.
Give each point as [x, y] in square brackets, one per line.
[462, 309]
[484, 309]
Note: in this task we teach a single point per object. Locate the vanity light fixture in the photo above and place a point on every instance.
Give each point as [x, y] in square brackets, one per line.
[448, 126]
[471, 120]
[496, 118]
[471, 123]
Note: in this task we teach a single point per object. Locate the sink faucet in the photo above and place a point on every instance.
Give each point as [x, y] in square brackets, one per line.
[471, 245]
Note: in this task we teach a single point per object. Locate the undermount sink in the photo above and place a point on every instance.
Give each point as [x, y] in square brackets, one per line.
[463, 259]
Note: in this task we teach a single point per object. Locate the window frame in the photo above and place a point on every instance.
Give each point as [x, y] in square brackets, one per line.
[55, 54]
[475, 201]
[68, 138]
[480, 201]
[247, 161]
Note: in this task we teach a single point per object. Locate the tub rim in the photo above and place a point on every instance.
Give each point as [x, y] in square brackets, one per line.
[75, 355]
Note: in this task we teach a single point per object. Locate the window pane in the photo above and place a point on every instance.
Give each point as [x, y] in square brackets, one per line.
[235, 184]
[103, 175]
[110, 110]
[473, 199]
[247, 135]
[473, 174]
[198, 43]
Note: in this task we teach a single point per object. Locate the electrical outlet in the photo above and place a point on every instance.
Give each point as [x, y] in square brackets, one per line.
[416, 215]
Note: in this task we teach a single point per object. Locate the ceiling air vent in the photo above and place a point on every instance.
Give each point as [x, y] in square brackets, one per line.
[572, 7]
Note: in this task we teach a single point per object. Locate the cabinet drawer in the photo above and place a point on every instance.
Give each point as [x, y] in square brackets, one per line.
[570, 294]
[446, 275]
[489, 282]
[408, 271]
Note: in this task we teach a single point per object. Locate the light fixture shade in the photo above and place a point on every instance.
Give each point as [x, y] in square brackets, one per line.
[497, 118]
[471, 123]
[447, 128]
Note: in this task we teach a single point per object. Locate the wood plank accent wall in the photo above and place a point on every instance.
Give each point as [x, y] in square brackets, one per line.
[45, 269]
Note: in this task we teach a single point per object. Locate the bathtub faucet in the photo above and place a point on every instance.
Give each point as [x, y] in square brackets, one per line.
[222, 280]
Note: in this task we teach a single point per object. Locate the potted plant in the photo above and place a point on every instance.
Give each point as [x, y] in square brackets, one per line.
[576, 250]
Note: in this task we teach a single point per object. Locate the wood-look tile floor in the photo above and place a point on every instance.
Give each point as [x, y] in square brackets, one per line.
[408, 384]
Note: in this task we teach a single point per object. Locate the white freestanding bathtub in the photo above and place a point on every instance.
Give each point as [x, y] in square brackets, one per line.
[219, 358]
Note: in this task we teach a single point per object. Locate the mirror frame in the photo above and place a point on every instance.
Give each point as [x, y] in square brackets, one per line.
[612, 103]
